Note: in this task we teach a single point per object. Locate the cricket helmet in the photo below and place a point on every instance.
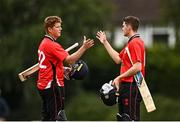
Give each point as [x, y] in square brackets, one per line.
[79, 70]
[108, 94]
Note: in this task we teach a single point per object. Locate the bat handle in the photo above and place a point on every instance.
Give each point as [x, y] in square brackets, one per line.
[72, 47]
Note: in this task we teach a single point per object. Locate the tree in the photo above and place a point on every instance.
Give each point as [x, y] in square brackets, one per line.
[22, 29]
[170, 11]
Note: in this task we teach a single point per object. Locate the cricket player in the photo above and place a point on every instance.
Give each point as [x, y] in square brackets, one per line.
[129, 95]
[50, 81]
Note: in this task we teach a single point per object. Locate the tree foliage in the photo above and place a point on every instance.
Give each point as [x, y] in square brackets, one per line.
[21, 30]
[162, 67]
[170, 14]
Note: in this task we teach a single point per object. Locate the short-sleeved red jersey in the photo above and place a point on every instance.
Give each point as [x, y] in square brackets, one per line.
[50, 52]
[137, 51]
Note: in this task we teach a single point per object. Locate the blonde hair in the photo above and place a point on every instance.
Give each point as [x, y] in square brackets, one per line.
[50, 22]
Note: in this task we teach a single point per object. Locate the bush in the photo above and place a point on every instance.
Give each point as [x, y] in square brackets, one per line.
[87, 106]
[166, 109]
[162, 74]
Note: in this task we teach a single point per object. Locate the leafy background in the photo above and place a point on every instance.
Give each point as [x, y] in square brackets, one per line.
[21, 29]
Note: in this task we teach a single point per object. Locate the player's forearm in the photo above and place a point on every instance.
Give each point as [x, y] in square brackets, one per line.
[75, 56]
[132, 71]
[114, 55]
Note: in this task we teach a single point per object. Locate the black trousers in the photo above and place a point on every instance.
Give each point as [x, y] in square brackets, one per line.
[52, 102]
[129, 100]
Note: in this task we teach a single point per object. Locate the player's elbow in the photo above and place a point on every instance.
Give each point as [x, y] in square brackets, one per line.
[117, 60]
[137, 66]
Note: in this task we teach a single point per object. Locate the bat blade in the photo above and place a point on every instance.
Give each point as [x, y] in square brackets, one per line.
[145, 93]
[24, 75]
[143, 88]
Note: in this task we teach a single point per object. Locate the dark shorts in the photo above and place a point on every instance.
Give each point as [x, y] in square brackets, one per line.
[129, 100]
[53, 101]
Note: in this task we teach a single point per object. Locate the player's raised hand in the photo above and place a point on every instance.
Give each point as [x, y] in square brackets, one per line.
[101, 36]
[87, 43]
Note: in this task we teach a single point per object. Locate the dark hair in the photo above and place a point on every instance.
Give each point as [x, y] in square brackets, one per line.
[133, 21]
[50, 21]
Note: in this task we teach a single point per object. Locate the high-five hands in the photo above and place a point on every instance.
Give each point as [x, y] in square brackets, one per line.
[101, 36]
[87, 43]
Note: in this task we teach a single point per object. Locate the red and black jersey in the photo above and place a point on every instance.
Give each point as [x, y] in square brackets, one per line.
[137, 51]
[50, 52]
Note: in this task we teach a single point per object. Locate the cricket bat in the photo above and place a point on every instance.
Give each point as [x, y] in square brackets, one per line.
[24, 75]
[143, 88]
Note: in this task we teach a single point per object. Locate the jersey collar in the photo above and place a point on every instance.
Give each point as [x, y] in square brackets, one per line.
[50, 37]
[134, 36]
